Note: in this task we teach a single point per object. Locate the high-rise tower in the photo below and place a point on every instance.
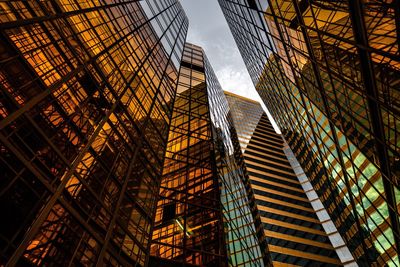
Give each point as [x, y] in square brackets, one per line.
[86, 102]
[295, 229]
[116, 144]
[246, 114]
[328, 72]
[203, 215]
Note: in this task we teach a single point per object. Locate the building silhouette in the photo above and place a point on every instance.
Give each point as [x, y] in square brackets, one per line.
[328, 73]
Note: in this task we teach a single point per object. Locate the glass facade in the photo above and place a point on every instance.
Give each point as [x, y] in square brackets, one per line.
[294, 233]
[203, 215]
[328, 71]
[246, 114]
[85, 107]
[335, 238]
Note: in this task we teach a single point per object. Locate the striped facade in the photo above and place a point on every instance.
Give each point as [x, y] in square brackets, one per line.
[246, 115]
[294, 233]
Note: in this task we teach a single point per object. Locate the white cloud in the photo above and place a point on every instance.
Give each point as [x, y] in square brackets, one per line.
[208, 29]
[237, 82]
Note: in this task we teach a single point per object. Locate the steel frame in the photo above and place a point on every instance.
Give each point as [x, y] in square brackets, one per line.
[146, 152]
[257, 50]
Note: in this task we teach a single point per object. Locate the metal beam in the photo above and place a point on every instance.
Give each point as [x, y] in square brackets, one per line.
[375, 112]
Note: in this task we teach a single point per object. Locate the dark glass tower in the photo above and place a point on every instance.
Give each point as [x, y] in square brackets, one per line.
[86, 102]
[329, 72]
[203, 215]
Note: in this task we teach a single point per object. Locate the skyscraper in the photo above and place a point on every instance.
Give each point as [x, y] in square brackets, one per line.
[203, 215]
[328, 72]
[118, 147]
[295, 229]
[115, 143]
[87, 91]
[246, 114]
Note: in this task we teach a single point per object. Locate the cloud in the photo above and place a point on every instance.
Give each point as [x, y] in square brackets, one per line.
[208, 29]
[236, 81]
[194, 36]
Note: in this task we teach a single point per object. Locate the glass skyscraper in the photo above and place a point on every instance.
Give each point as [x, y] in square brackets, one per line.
[296, 230]
[87, 91]
[116, 141]
[328, 71]
[246, 114]
[203, 215]
[119, 148]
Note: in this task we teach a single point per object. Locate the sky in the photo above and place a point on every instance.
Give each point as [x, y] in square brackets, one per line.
[209, 29]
